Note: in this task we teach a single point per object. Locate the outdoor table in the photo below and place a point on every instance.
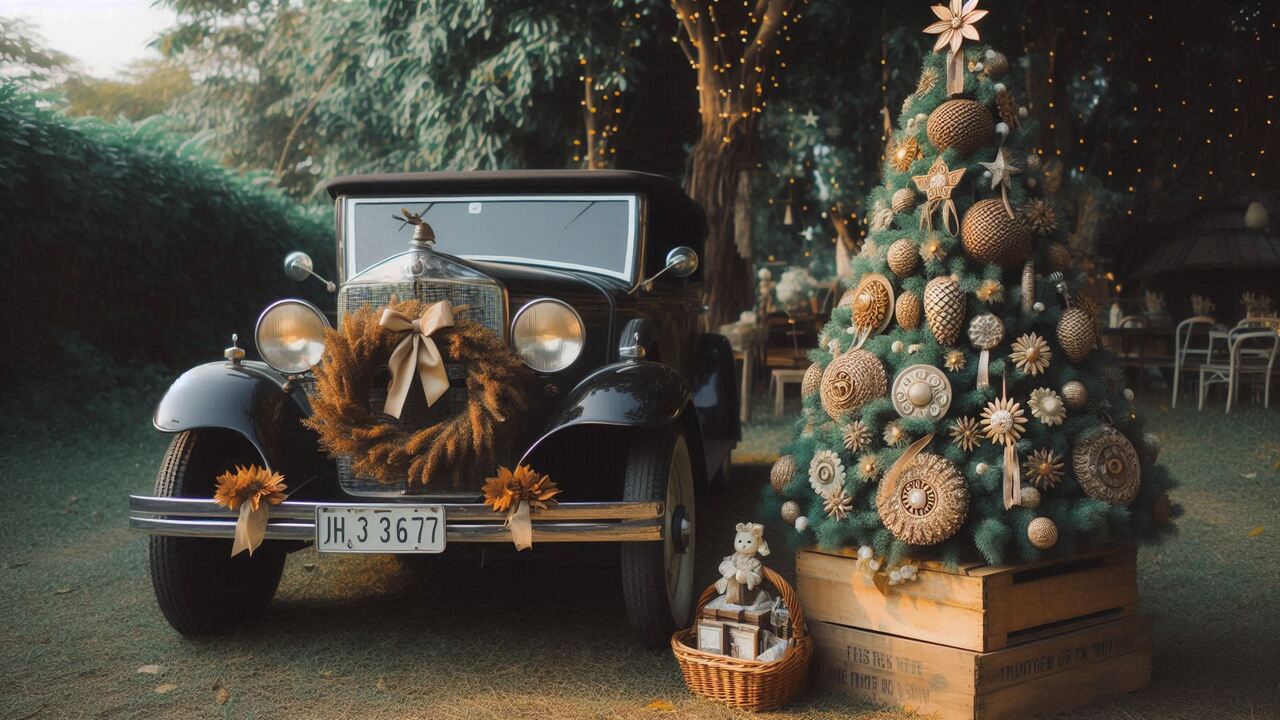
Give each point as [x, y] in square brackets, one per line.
[1134, 347]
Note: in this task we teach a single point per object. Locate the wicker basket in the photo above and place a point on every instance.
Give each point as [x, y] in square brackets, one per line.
[747, 684]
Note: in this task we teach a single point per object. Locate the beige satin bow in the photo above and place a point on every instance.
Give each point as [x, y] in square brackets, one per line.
[416, 349]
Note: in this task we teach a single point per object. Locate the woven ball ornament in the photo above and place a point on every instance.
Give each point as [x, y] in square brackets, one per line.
[908, 310]
[850, 381]
[1107, 467]
[928, 503]
[904, 201]
[903, 257]
[784, 468]
[1075, 395]
[995, 64]
[965, 125]
[790, 511]
[809, 384]
[944, 308]
[921, 391]
[873, 303]
[1076, 333]
[989, 235]
[1043, 533]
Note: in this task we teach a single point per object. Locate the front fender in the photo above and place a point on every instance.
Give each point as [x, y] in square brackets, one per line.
[250, 399]
[628, 394]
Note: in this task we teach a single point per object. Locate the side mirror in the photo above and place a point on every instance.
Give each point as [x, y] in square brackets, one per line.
[682, 262]
[298, 267]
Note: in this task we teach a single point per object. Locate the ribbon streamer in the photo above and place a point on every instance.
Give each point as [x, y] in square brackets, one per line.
[955, 72]
[251, 528]
[520, 524]
[984, 365]
[417, 349]
[1004, 195]
[904, 461]
[949, 218]
[1012, 476]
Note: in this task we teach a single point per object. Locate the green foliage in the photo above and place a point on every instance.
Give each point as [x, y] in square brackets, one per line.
[131, 240]
[148, 88]
[326, 87]
[23, 53]
[990, 531]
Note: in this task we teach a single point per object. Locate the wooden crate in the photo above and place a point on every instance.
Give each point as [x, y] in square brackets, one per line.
[1052, 674]
[975, 607]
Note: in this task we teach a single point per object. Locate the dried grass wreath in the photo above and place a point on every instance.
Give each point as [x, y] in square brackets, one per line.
[458, 449]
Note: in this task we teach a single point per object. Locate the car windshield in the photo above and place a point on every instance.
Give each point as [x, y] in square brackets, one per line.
[596, 233]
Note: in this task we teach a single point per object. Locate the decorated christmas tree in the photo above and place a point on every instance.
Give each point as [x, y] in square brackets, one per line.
[958, 405]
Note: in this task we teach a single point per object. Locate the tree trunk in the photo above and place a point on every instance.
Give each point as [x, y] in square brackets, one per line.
[712, 181]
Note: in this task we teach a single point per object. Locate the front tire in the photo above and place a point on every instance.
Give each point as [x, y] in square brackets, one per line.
[199, 587]
[657, 577]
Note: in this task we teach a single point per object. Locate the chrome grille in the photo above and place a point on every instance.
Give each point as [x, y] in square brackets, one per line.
[480, 302]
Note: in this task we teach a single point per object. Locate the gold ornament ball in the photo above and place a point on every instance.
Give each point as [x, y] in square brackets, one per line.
[1059, 257]
[989, 235]
[944, 308]
[903, 258]
[995, 64]
[908, 310]
[965, 125]
[809, 384]
[1030, 497]
[1043, 533]
[1076, 333]
[850, 381]
[790, 511]
[783, 470]
[903, 201]
[1075, 395]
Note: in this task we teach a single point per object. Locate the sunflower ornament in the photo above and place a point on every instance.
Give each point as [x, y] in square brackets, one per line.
[518, 493]
[965, 433]
[1044, 469]
[1031, 354]
[252, 490]
[1047, 406]
[826, 472]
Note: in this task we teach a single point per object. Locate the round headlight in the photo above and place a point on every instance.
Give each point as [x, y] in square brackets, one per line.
[290, 335]
[548, 335]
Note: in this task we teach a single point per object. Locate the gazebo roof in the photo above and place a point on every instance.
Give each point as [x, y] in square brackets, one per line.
[1217, 240]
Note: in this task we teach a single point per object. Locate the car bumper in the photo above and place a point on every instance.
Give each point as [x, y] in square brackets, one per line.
[464, 522]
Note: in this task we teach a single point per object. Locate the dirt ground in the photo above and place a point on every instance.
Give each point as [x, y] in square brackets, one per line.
[364, 637]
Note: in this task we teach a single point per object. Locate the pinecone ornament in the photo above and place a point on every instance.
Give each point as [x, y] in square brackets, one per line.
[903, 257]
[989, 235]
[965, 125]
[1076, 333]
[944, 308]
[1059, 257]
[908, 310]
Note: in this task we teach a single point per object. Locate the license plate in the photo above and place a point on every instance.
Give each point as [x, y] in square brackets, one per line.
[380, 529]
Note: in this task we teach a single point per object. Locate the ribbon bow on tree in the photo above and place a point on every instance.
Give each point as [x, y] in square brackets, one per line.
[416, 349]
[955, 23]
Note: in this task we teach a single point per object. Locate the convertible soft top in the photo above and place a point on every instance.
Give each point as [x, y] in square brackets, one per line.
[671, 209]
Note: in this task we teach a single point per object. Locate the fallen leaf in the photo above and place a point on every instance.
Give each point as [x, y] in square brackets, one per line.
[660, 706]
[1249, 475]
[1256, 531]
[62, 591]
[165, 688]
[150, 670]
[381, 684]
[220, 693]
[327, 673]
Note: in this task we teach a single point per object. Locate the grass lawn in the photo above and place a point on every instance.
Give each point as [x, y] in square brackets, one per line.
[358, 637]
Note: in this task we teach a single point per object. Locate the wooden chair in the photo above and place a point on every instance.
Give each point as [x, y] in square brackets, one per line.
[1252, 352]
[1183, 351]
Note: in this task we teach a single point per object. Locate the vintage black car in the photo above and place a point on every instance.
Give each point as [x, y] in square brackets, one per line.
[592, 278]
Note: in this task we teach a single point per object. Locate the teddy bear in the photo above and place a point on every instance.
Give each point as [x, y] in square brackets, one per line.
[743, 569]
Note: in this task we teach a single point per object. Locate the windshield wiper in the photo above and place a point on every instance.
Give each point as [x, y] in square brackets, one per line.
[580, 214]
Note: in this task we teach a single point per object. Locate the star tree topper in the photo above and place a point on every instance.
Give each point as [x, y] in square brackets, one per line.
[937, 185]
[1002, 173]
[955, 23]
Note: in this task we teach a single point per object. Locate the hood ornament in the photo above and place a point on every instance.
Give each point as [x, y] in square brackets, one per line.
[423, 236]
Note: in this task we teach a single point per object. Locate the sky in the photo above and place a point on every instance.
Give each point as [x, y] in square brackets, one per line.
[102, 35]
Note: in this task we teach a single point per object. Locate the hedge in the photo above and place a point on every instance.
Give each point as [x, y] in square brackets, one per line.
[132, 241]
